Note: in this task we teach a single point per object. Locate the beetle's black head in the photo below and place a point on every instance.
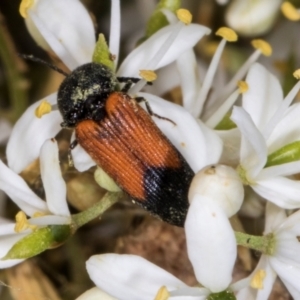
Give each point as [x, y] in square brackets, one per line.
[83, 93]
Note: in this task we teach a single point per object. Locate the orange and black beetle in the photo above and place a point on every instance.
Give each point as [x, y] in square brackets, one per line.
[124, 141]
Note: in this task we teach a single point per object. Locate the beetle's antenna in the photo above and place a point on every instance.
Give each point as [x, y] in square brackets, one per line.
[51, 66]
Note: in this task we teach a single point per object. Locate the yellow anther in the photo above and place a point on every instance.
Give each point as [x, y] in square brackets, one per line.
[290, 11]
[184, 16]
[296, 74]
[258, 279]
[43, 109]
[263, 46]
[148, 75]
[38, 214]
[22, 222]
[24, 6]
[228, 34]
[162, 294]
[243, 86]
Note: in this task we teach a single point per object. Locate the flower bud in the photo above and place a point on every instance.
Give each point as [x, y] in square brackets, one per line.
[252, 18]
[220, 183]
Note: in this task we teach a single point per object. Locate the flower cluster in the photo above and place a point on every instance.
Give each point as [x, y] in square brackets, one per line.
[232, 149]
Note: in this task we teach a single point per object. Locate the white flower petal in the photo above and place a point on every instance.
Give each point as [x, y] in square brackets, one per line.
[214, 146]
[190, 79]
[294, 290]
[8, 237]
[292, 224]
[211, 244]
[5, 131]
[268, 281]
[288, 273]
[280, 170]
[188, 136]
[168, 78]
[142, 55]
[274, 217]
[17, 189]
[253, 147]
[29, 134]
[231, 145]
[282, 191]
[287, 130]
[67, 28]
[7, 229]
[287, 248]
[249, 293]
[264, 95]
[54, 184]
[129, 276]
[282, 109]
[82, 161]
[95, 294]
[194, 292]
[246, 293]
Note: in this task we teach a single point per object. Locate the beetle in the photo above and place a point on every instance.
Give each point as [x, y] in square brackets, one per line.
[121, 137]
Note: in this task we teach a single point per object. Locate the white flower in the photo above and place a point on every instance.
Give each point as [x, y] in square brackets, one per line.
[210, 241]
[55, 211]
[268, 123]
[284, 261]
[55, 27]
[216, 194]
[162, 48]
[210, 108]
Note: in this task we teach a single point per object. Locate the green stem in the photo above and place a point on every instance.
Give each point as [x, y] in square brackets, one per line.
[264, 244]
[96, 210]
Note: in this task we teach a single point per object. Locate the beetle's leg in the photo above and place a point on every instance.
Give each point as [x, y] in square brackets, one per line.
[150, 111]
[71, 147]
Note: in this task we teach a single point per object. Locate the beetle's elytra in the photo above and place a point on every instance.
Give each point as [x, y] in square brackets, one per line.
[124, 141]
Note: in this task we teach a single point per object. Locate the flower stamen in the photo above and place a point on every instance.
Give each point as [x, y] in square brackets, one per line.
[228, 35]
[162, 294]
[158, 56]
[257, 280]
[221, 111]
[243, 86]
[22, 223]
[24, 6]
[43, 109]
[264, 47]
[148, 75]
[184, 16]
[296, 74]
[290, 11]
